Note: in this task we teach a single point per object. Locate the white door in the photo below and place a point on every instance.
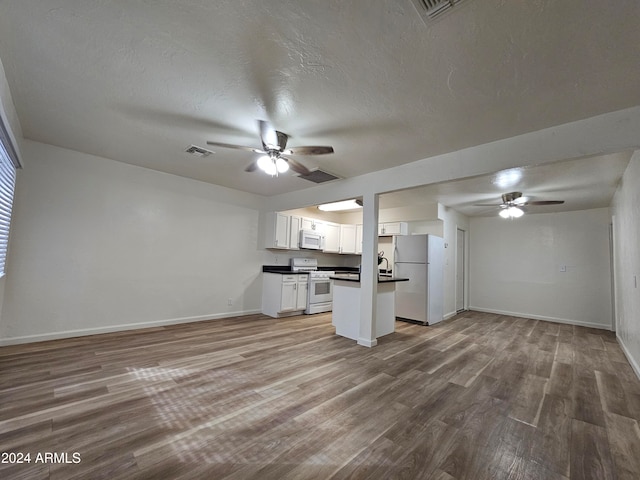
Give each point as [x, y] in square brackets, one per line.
[460, 261]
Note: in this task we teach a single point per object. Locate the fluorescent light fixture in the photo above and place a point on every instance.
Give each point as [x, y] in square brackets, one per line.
[337, 206]
[511, 212]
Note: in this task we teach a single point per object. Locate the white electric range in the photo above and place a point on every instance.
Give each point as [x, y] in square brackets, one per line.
[320, 296]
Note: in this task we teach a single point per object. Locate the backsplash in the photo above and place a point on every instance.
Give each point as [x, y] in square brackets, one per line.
[272, 257]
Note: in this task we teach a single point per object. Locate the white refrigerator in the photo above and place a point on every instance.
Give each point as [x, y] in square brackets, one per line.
[420, 258]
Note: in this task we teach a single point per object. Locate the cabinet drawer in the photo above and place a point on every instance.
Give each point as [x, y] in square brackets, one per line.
[289, 278]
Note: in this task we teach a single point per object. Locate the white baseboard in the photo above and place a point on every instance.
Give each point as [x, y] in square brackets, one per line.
[43, 337]
[365, 342]
[449, 315]
[541, 317]
[632, 361]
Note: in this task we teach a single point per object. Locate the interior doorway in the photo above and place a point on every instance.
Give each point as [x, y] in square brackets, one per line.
[460, 270]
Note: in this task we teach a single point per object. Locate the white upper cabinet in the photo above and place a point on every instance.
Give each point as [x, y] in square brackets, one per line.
[311, 224]
[348, 238]
[331, 237]
[277, 230]
[358, 239]
[283, 231]
[295, 224]
[393, 228]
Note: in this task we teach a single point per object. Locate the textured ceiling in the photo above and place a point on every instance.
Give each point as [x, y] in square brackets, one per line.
[582, 184]
[140, 81]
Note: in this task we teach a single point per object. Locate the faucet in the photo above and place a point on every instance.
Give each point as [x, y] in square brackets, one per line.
[386, 260]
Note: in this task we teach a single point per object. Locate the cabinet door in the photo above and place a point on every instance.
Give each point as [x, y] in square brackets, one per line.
[282, 230]
[392, 228]
[331, 238]
[308, 224]
[294, 232]
[303, 291]
[358, 239]
[347, 239]
[288, 296]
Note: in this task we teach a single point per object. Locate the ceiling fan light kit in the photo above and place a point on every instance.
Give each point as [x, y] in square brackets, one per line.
[511, 212]
[272, 165]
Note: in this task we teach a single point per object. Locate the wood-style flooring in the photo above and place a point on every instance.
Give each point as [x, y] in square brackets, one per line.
[479, 396]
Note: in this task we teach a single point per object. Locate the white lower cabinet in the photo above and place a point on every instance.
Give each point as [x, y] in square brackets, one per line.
[303, 292]
[284, 294]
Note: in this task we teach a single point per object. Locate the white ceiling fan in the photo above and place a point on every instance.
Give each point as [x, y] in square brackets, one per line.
[274, 146]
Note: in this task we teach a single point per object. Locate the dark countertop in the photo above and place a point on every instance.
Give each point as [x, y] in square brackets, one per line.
[286, 269]
[355, 277]
[282, 271]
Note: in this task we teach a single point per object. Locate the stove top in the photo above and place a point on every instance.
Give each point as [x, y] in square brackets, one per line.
[304, 264]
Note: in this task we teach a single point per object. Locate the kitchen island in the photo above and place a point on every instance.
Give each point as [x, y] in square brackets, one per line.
[346, 305]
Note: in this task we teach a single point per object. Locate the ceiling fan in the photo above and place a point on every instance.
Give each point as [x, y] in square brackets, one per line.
[274, 146]
[512, 201]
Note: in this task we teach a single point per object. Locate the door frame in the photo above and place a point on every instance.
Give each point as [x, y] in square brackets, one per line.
[465, 268]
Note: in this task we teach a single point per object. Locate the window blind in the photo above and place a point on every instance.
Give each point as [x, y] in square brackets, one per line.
[7, 185]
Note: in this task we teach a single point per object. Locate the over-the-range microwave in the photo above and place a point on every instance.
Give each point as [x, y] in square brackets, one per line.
[311, 240]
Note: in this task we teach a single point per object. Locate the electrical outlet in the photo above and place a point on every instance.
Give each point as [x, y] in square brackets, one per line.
[563, 268]
[230, 302]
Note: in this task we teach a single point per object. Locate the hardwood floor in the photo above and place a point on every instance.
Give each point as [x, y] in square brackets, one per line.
[479, 396]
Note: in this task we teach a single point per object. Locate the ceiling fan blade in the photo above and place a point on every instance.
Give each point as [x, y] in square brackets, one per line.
[545, 202]
[282, 140]
[309, 151]
[237, 147]
[268, 136]
[487, 204]
[296, 166]
[252, 166]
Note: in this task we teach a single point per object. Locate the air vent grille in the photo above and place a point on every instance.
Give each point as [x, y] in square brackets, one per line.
[198, 151]
[431, 9]
[319, 176]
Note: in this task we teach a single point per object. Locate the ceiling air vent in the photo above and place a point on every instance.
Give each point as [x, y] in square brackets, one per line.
[431, 9]
[319, 176]
[198, 151]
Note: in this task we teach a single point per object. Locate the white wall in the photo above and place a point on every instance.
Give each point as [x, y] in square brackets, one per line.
[626, 234]
[98, 245]
[515, 267]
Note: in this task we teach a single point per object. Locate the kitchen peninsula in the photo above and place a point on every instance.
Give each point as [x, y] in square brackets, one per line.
[346, 305]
